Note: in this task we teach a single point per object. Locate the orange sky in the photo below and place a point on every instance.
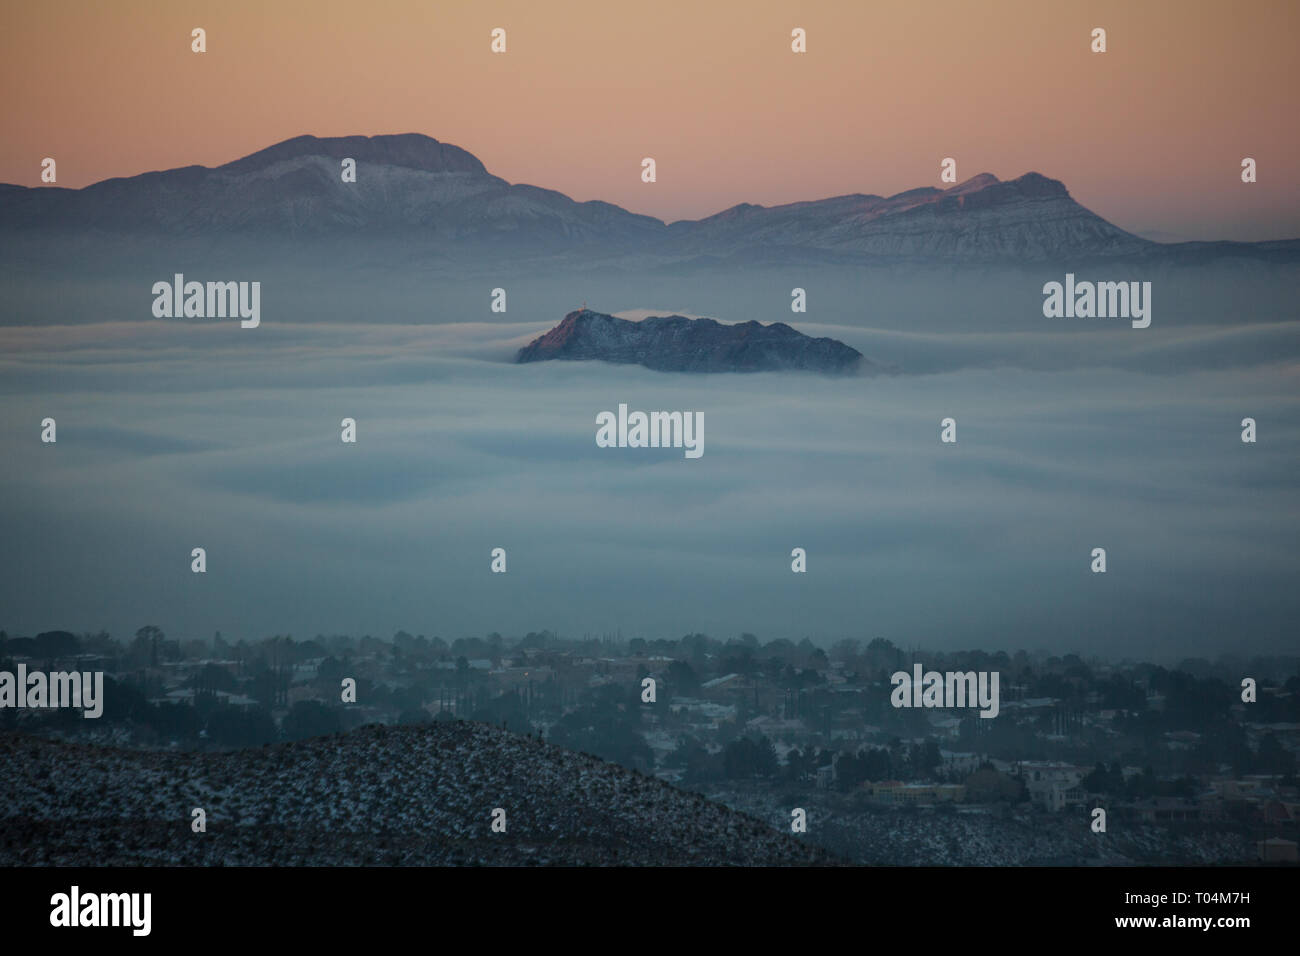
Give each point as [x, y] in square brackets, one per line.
[1150, 134]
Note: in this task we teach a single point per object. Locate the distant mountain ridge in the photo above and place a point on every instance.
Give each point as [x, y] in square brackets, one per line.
[414, 187]
[406, 184]
[675, 343]
[409, 150]
[1029, 218]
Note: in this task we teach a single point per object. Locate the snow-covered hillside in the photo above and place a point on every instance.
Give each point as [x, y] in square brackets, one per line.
[379, 795]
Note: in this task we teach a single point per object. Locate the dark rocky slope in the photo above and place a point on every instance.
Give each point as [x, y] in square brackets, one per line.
[379, 795]
[675, 343]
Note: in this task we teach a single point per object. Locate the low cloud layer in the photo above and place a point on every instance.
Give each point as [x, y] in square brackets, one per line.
[176, 435]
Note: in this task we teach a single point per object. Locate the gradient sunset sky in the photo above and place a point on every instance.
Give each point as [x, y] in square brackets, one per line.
[1150, 134]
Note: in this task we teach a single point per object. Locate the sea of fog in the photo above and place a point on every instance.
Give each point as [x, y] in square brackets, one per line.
[176, 434]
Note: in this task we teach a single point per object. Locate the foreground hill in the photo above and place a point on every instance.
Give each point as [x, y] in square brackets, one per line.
[379, 795]
[675, 343]
[950, 835]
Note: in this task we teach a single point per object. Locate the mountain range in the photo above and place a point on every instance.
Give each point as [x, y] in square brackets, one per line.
[416, 188]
